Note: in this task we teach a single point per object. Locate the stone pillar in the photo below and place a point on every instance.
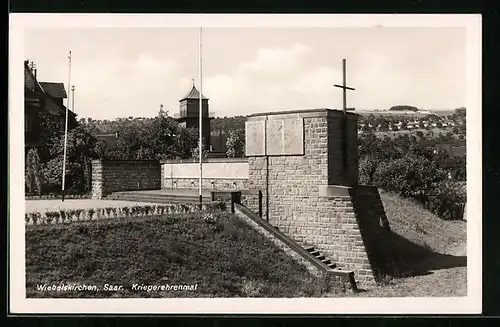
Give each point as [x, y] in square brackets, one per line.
[97, 179]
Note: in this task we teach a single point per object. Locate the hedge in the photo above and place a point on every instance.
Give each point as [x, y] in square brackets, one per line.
[78, 215]
[57, 196]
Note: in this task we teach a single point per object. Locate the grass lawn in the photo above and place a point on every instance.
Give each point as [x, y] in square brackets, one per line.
[229, 259]
[443, 264]
[223, 259]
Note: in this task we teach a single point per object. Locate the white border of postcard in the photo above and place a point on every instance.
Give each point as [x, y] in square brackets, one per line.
[446, 305]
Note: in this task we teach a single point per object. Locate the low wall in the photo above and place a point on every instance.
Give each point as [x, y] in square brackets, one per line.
[217, 173]
[128, 175]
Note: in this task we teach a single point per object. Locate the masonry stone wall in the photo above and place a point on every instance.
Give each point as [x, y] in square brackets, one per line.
[336, 281]
[129, 175]
[250, 199]
[209, 184]
[294, 187]
[374, 228]
[217, 174]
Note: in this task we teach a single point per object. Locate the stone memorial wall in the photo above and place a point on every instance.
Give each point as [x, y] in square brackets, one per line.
[308, 191]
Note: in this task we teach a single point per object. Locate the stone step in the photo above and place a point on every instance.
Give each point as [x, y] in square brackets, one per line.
[309, 248]
[153, 199]
[321, 257]
[165, 196]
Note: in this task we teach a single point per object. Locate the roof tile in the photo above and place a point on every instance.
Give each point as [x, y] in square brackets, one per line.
[55, 90]
[193, 94]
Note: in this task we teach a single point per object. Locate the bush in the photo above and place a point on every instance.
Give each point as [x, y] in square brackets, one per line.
[410, 176]
[445, 200]
[33, 173]
[235, 143]
[367, 169]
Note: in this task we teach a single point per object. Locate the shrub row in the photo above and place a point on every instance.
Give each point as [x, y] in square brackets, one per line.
[57, 196]
[75, 215]
[418, 178]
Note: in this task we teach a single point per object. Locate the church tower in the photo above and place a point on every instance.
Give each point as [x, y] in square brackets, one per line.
[189, 109]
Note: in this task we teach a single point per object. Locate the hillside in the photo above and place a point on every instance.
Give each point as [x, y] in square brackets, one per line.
[430, 253]
[224, 259]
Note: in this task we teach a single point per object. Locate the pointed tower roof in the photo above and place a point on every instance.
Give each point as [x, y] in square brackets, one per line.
[193, 94]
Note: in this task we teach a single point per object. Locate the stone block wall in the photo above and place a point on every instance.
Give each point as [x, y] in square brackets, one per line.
[334, 281]
[209, 184]
[127, 175]
[374, 228]
[217, 173]
[250, 199]
[332, 226]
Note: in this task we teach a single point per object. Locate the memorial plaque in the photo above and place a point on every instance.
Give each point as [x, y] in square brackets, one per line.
[274, 137]
[293, 130]
[255, 138]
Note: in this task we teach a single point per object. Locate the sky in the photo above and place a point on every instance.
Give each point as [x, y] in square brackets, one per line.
[122, 72]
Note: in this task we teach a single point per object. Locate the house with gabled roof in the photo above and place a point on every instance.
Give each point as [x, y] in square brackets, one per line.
[42, 99]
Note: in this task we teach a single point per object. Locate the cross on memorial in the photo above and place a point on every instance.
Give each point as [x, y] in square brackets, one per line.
[344, 89]
[343, 86]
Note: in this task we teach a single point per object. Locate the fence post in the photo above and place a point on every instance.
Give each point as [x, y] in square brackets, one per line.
[260, 203]
[235, 198]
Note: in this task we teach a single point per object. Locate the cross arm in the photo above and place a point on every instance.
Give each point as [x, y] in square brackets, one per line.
[344, 87]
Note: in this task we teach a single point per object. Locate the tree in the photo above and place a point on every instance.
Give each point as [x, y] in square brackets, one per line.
[410, 176]
[227, 124]
[101, 149]
[185, 141]
[235, 143]
[33, 172]
[367, 169]
[144, 154]
[80, 150]
[403, 108]
[384, 125]
[366, 128]
[158, 137]
[195, 152]
[460, 112]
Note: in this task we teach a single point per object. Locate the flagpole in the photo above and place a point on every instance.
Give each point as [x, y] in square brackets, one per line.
[200, 145]
[73, 98]
[66, 129]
